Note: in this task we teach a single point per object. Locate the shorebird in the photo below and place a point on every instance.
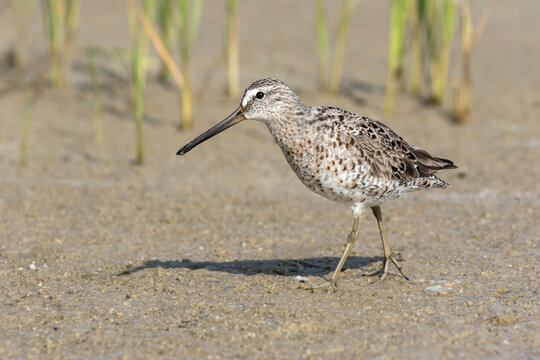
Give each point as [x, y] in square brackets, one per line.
[345, 157]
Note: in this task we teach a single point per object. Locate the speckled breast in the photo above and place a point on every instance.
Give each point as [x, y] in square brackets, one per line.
[330, 168]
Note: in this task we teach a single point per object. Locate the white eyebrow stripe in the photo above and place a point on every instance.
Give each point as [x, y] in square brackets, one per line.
[248, 96]
[251, 93]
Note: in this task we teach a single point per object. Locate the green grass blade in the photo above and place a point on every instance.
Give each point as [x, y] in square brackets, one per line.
[139, 60]
[395, 50]
[321, 30]
[232, 48]
[189, 23]
[196, 13]
[463, 106]
[341, 40]
[415, 71]
[72, 17]
[166, 27]
[61, 19]
[183, 11]
[440, 73]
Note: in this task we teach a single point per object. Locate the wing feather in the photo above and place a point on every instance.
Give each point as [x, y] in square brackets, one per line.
[387, 154]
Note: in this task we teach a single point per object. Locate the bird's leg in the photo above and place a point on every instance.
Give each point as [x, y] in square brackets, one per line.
[388, 256]
[351, 239]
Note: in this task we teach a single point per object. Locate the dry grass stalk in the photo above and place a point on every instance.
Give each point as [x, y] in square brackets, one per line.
[62, 22]
[321, 31]
[232, 48]
[341, 40]
[189, 24]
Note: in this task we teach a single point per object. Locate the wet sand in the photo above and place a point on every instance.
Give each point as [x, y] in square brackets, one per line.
[196, 256]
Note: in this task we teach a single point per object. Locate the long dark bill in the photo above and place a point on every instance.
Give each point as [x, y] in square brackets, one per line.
[229, 121]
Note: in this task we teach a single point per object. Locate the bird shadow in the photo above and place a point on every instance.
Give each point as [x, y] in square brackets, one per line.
[318, 266]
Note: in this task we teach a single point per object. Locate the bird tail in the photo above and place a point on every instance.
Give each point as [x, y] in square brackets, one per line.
[428, 164]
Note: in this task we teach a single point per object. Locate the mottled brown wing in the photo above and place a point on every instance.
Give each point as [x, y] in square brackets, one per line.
[389, 156]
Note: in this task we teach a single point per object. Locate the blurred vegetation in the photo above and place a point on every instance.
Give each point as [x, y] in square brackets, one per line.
[24, 11]
[190, 16]
[232, 48]
[420, 45]
[167, 24]
[395, 49]
[321, 32]
[423, 34]
[321, 28]
[462, 105]
[178, 22]
[61, 19]
[139, 60]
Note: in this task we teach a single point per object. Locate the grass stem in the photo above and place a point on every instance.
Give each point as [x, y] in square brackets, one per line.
[139, 60]
[189, 23]
[463, 107]
[395, 50]
[61, 18]
[232, 48]
[166, 25]
[341, 40]
[439, 76]
[321, 30]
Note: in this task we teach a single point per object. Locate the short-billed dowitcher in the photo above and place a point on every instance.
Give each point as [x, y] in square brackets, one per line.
[339, 155]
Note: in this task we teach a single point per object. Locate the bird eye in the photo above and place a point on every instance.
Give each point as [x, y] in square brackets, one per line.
[259, 95]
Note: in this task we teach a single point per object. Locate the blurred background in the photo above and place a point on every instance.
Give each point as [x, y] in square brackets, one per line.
[192, 49]
[97, 96]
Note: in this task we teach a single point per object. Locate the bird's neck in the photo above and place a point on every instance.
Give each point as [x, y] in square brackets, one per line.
[290, 124]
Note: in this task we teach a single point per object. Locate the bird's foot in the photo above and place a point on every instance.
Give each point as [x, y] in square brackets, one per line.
[327, 285]
[384, 268]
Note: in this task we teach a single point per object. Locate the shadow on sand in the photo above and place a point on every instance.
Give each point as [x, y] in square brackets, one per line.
[319, 266]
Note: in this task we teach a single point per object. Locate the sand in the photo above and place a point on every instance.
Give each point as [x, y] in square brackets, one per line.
[198, 256]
